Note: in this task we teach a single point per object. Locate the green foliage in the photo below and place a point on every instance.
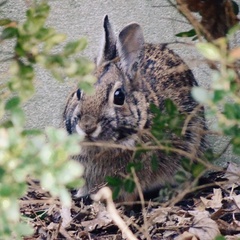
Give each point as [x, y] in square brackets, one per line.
[220, 238]
[127, 183]
[190, 33]
[42, 155]
[166, 123]
[165, 193]
[222, 98]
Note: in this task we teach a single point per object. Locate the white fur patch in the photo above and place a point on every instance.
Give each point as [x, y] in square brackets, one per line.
[97, 131]
[80, 131]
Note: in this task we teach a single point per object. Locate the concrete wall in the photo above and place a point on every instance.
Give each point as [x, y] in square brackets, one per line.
[79, 18]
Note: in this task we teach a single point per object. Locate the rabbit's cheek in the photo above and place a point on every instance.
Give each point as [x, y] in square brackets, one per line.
[125, 110]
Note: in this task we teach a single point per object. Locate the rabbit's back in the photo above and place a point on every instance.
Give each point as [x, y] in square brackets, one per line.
[167, 75]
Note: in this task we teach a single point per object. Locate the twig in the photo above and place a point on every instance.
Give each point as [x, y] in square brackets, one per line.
[148, 147]
[189, 117]
[191, 189]
[106, 194]
[182, 7]
[65, 234]
[144, 213]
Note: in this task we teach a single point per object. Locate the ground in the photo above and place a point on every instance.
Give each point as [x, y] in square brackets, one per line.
[210, 210]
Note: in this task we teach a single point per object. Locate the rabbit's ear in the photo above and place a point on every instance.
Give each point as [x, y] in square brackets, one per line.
[131, 49]
[108, 51]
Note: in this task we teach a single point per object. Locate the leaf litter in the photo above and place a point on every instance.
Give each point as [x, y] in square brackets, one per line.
[214, 211]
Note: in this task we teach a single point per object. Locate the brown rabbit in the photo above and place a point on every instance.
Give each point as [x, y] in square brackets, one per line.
[131, 75]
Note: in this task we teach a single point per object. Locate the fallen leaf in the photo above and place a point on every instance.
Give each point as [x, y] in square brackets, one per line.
[216, 200]
[236, 199]
[203, 227]
[186, 236]
[52, 226]
[103, 219]
[161, 215]
[230, 228]
[232, 174]
[235, 237]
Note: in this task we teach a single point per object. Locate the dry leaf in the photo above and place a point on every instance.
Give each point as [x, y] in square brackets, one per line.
[161, 215]
[52, 226]
[203, 226]
[232, 174]
[216, 200]
[103, 219]
[236, 199]
[235, 237]
[186, 236]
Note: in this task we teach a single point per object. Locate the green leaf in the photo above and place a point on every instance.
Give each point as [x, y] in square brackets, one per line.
[74, 47]
[31, 132]
[170, 107]
[114, 181]
[53, 41]
[232, 111]
[4, 22]
[154, 109]
[9, 32]
[186, 164]
[197, 169]
[5, 190]
[2, 173]
[220, 238]
[189, 33]
[18, 117]
[209, 51]
[12, 103]
[24, 229]
[129, 185]
[73, 167]
[137, 166]
[233, 30]
[12, 208]
[218, 95]
[86, 87]
[200, 94]
[231, 131]
[65, 197]
[116, 191]
[236, 145]
[180, 177]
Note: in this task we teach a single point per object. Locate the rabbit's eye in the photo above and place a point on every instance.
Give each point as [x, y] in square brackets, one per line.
[119, 97]
[78, 94]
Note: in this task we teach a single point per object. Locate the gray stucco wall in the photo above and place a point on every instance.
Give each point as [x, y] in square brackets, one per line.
[78, 18]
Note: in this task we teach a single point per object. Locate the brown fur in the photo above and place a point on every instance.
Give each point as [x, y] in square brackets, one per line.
[146, 73]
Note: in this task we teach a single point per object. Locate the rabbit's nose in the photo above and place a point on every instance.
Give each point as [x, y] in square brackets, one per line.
[88, 124]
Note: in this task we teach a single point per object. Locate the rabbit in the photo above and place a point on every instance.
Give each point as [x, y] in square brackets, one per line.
[131, 75]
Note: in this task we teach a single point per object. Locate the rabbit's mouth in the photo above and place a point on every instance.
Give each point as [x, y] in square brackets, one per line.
[91, 134]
